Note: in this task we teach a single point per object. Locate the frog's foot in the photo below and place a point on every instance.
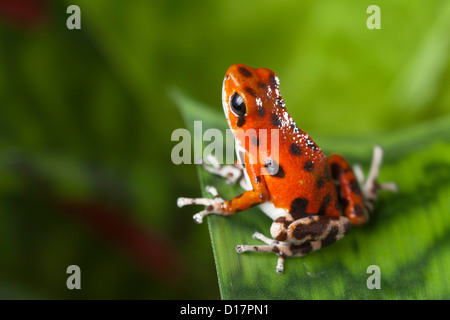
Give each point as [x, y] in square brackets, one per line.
[283, 250]
[370, 186]
[272, 246]
[213, 206]
[232, 172]
[302, 237]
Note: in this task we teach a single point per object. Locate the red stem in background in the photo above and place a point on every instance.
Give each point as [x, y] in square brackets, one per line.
[23, 13]
[154, 255]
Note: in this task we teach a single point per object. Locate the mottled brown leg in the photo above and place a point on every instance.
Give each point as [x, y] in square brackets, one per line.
[303, 236]
[370, 186]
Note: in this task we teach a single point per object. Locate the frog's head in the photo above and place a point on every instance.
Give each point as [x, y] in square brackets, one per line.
[251, 97]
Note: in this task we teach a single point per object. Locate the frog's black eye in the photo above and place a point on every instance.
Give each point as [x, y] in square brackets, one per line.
[238, 105]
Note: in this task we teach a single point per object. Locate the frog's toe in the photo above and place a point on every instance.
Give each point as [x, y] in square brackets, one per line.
[389, 186]
[198, 218]
[232, 172]
[369, 185]
[212, 191]
[263, 238]
[181, 202]
[280, 264]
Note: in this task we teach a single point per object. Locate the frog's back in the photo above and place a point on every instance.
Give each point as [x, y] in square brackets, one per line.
[303, 184]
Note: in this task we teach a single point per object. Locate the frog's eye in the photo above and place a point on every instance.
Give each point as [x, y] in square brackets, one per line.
[238, 105]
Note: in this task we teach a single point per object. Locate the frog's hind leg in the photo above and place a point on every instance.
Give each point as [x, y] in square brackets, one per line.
[212, 205]
[302, 236]
[357, 194]
[348, 190]
[283, 250]
[272, 246]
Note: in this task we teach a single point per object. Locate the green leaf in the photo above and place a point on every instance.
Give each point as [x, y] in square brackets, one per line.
[407, 236]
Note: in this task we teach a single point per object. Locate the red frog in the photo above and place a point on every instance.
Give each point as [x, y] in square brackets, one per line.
[313, 199]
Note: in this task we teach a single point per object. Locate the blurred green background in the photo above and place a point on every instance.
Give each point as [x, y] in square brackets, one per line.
[86, 119]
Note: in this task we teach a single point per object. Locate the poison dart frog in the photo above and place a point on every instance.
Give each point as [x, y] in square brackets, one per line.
[313, 199]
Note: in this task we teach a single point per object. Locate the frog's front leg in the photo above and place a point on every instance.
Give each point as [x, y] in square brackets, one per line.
[300, 237]
[231, 172]
[257, 195]
[212, 205]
